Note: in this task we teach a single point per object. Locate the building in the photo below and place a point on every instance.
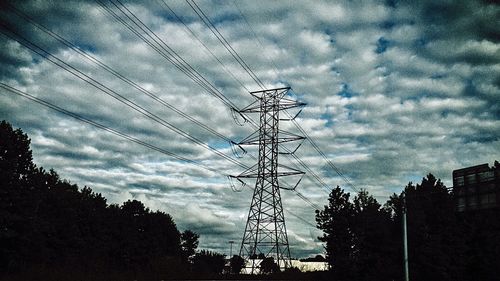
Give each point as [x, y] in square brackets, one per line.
[477, 187]
[303, 266]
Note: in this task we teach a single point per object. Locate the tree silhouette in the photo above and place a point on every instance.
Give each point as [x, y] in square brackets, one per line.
[189, 243]
[16, 160]
[335, 221]
[16, 200]
[317, 258]
[359, 241]
[268, 266]
[51, 229]
[437, 245]
[373, 247]
[207, 262]
[435, 240]
[236, 263]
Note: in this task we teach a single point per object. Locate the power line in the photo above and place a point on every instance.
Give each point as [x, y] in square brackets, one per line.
[179, 62]
[164, 50]
[228, 45]
[147, 30]
[118, 133]
[311, 141]
[328, 161]
[257, 37]
[193, 34]
[132, 17]
[103, 127]
[40, 51]
[245, 66]
[84, 77]
[118, 74]
[224, 42]
[303, 197]
[300, 218]
[207, 21]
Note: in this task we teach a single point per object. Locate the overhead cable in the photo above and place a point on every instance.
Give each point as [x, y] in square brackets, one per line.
[108, 91]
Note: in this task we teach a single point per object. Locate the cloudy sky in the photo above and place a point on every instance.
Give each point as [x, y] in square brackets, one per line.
[394, 90]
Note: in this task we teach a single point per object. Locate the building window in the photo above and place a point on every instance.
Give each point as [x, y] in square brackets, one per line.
[486, 176]
[470, 179]
[484, 199]
[458, 181]
[460, 191]
[486, 188]
[472, 202]
[461, 204]
[492, 198]
[471, 189]
[488, 200]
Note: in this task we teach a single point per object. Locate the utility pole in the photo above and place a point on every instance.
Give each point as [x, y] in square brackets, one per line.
[231, 248]
[265, 231]
[405, 240]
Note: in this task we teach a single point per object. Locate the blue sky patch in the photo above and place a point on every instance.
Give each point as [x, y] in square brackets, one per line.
[86, 47]
[225, 18]
[438, 76]
[169, 17]
[219, 144]
[346, 91]
[350, 109]
[329, 119]
[382, 45]
[388, 24]
[421, 42]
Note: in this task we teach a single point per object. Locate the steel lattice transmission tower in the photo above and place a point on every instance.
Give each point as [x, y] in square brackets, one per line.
[265, 231]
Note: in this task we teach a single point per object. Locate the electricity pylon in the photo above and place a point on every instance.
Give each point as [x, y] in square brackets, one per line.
[265, 231]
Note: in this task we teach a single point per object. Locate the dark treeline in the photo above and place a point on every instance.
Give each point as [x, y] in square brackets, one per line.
[364, 240]
[51, 229]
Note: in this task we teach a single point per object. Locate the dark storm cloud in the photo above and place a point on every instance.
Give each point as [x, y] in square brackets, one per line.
[12, 58]
[474, 20]
[50, 15]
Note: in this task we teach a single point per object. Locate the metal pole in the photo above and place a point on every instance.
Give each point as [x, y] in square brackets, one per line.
[231, 249]
[405, 241]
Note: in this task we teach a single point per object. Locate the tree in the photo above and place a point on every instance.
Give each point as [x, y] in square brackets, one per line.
[268, 266]
[358, 238]
[317, 258]
[433, 237]
[208, 262]
[436, 245]
[50, 228]
[236, 263]
[16, 200]
[16, 160]
[189, 243]
[335, 221]
[373, 247]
